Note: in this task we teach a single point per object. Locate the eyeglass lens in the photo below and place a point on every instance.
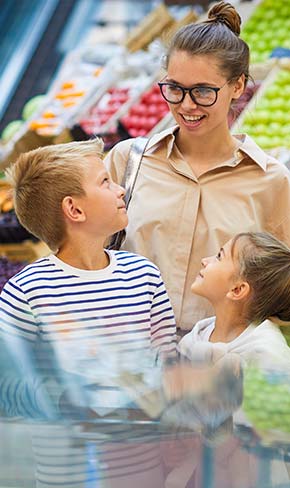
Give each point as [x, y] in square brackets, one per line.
[200, 95]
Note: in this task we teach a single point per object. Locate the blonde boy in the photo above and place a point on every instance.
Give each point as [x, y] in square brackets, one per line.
[82, 292]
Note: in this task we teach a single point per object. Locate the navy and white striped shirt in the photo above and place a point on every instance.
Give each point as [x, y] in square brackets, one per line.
[54, 304]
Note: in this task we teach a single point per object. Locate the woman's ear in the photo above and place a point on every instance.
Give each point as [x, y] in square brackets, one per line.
[239, 291]
[72, 210]
[239, 87]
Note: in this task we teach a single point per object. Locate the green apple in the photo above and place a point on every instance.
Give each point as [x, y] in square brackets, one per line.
[264, 141]
[11, 129]
[266, 104]
[32, 106]
[272, 92]
[274, 127]
[283, 77]
[281, 117]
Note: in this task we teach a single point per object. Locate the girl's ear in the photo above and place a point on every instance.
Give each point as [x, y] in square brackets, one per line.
[239, 86]
[72, 210]
[239, 291]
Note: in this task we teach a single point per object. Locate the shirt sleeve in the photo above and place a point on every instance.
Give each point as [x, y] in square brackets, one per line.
[280, 226]
[268, 349]
[17, 318]
[163, 326]
[116, 160]
[24, 388]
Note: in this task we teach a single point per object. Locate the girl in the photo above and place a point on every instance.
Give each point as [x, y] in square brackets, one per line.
[248, 285]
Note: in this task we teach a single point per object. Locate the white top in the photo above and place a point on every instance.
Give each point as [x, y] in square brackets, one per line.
[263, 344]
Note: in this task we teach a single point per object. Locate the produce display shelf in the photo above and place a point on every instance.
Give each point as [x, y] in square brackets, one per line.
[266, 117]
[267, 29]
[266, 73]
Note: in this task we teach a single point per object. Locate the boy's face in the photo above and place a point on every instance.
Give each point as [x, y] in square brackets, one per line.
[217, 275]
[103, 203]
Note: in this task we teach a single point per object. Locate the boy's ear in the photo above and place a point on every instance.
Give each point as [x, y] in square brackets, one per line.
[239, 291]
[239, 86]
[72, 210]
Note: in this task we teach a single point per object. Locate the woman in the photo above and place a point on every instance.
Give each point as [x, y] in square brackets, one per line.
[199, 185]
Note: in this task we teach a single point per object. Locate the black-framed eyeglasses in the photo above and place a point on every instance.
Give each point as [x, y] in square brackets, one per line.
[203, 95]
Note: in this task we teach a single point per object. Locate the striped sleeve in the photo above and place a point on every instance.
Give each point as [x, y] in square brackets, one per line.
[16, 315]
[22, 388]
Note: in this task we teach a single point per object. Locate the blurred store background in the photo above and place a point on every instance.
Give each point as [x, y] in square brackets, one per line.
[73, 69]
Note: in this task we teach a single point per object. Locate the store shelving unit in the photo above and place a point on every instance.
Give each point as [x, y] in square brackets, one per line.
[113, 60]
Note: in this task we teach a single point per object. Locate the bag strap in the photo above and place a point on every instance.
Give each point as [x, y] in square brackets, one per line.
[128, 182]
[133, 165]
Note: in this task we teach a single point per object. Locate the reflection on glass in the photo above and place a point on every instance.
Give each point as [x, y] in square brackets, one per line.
[202, 423]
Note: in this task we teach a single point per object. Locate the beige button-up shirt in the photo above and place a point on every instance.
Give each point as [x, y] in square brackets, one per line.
[175, 218]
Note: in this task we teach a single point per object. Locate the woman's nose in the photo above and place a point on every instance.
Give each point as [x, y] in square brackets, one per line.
[187, 102]
[204, 262]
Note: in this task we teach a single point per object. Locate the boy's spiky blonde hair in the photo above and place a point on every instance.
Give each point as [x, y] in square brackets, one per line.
[40, 180]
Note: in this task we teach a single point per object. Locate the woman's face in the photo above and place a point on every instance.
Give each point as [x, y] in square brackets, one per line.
[201, 70]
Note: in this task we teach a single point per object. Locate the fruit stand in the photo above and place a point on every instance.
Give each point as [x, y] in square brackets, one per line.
[84, 79]
[99, 87]
[267, 29]
[266, 117]
[110, 89]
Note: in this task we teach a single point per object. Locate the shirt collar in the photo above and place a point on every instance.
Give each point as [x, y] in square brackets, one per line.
[247, 146]
[251, 149]
[167, 133]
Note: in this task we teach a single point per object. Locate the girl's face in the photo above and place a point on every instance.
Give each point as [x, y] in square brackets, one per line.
[201, 70]
[217, 275]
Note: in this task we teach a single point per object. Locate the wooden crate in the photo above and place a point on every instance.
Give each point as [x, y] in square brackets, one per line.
[169, 32]
[149, 29]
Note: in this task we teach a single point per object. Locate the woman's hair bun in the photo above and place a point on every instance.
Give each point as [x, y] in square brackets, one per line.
[225, 13]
